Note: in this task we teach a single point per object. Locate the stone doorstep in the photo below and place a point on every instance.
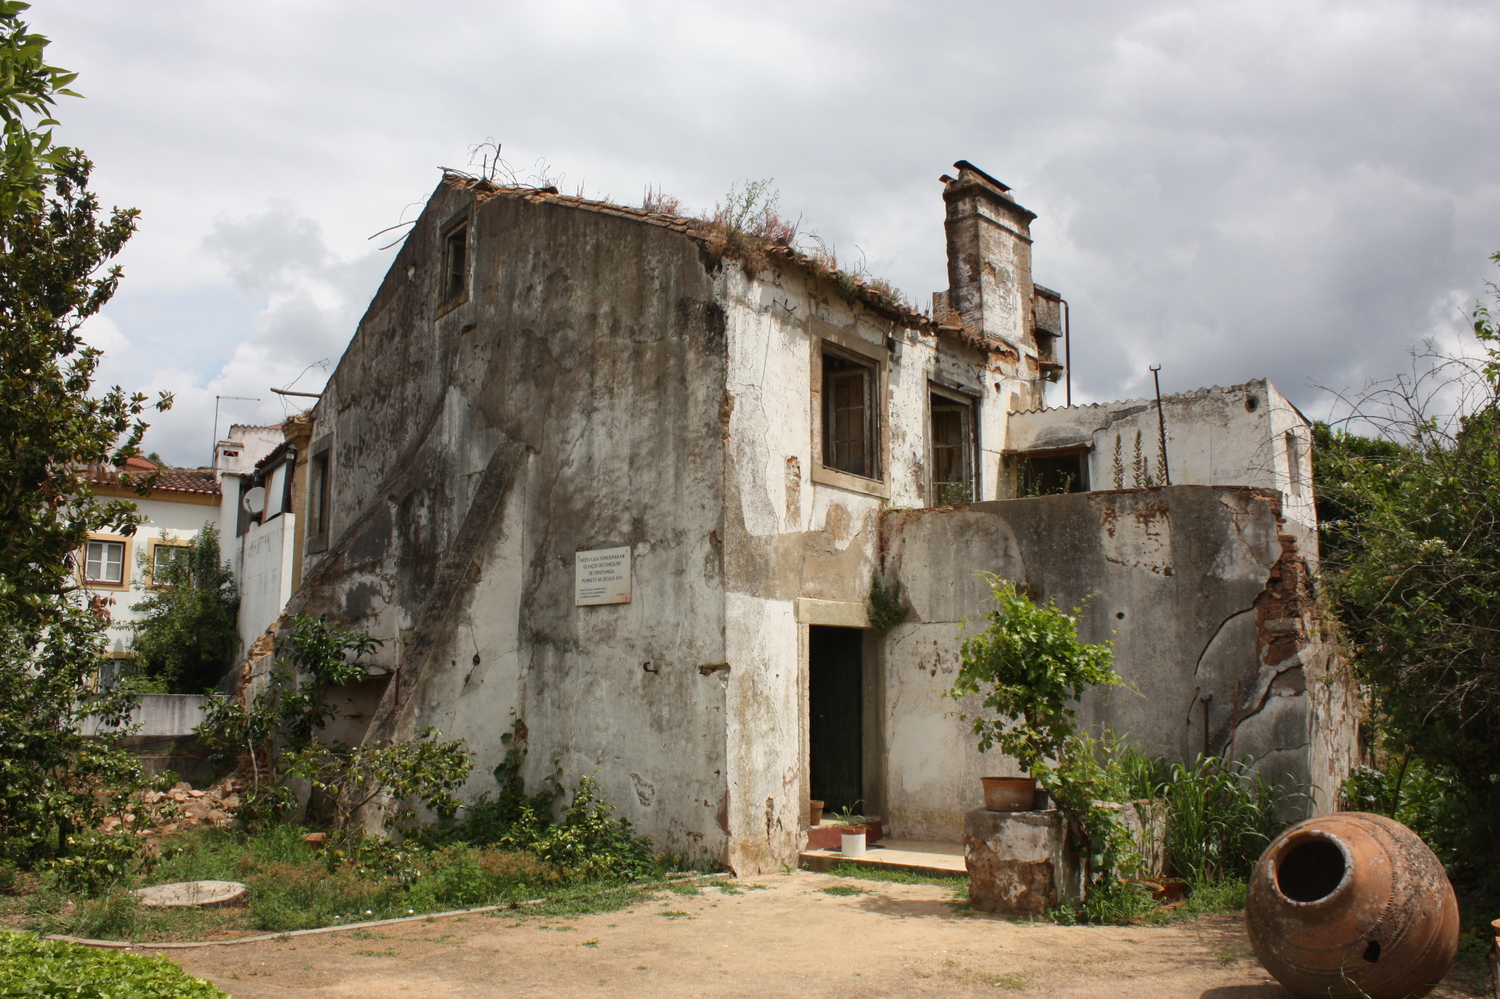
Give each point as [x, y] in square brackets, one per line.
[942, 860]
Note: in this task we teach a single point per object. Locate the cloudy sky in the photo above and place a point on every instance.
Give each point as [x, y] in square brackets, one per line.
[1298, 190]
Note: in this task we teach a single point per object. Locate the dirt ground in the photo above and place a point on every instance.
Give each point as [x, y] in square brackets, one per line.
[790, 938]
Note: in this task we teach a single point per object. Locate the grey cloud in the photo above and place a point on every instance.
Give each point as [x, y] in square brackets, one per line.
[267, 251]
[1291, 189]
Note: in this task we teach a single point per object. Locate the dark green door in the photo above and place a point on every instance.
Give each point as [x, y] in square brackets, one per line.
[836, 706]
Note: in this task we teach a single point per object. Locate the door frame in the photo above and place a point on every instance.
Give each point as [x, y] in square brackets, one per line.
[843, 614]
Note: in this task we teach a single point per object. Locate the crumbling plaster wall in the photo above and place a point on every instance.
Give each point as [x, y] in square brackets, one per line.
[1233, 436]
[1199, 588]
[796, 534]
[264, 573]
[571, 402]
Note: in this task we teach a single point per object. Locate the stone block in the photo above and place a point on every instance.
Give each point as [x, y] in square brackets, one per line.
[1019, 862]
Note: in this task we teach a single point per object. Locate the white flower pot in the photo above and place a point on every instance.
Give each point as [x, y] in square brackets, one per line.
[854, 844]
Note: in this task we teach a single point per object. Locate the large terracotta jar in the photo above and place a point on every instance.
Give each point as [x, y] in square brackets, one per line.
[1352, 905]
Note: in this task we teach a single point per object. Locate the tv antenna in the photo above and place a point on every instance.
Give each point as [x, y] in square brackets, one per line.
[217, 398]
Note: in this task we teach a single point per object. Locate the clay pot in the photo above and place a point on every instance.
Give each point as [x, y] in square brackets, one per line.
[1009, 794]
[814, 812]
[1352, 905]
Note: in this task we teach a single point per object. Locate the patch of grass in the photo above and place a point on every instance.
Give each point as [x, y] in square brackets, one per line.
[1014, 983]
[376, 953]
[589, 943]
[1227, 955]
[728, 889]
[297, 886]
[675, 914]
[844, 890]
[686, 888]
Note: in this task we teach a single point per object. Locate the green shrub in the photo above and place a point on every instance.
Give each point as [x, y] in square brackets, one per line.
[95, 861]
[589, 843]
[49, 969]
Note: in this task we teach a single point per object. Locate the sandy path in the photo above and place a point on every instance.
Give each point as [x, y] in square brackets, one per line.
[791, 939]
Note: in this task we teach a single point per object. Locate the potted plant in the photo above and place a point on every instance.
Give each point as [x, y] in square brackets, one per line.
[814, 812]
[1030, 668]
[852, 830]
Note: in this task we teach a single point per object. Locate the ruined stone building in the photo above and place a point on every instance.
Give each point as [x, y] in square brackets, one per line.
[607, 470]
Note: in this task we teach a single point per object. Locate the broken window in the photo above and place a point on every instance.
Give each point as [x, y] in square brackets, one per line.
[849, 421]
[456, 264]
[1054, 472]
[104, 562]
[953, 449]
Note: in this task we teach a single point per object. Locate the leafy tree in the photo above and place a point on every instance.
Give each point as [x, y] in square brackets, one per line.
[53, 244]
[29, 87]
[1031, 668]
[188, 635]
[285, 713]
[424, 769]
[1413, 564]
[54, 780]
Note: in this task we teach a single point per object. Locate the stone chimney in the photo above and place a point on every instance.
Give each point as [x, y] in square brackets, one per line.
[989, 258]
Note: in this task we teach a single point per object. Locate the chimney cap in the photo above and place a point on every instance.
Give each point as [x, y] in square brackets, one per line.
[966, 165]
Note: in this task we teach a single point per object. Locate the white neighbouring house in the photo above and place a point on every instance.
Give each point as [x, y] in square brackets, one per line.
[113, 575]
[256, 538]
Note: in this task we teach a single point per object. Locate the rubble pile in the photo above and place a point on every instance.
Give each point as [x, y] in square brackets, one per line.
[161, 813]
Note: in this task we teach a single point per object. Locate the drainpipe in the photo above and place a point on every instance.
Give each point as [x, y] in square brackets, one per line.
[1161, 426]
[1068, 350]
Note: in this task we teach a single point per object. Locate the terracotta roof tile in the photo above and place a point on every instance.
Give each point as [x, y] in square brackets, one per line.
[201, 481]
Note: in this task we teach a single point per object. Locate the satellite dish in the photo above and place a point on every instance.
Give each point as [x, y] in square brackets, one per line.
[255, 500]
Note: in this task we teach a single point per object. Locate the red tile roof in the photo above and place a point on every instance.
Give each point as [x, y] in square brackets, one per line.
[201, 481]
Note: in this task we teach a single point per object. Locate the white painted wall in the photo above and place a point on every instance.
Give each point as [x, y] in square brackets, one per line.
[265, 575]
[166, 519]
[1235, 436]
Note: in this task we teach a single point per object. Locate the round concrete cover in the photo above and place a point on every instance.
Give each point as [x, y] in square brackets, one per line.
[191, 893]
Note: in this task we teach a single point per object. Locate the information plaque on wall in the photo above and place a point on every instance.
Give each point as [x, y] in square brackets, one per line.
[601, 576]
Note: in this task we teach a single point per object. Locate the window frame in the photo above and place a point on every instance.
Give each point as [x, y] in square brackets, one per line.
[152, 544]
[105, 584]
[319, 502]
[453, 284]
[835, 343]
[970, 443]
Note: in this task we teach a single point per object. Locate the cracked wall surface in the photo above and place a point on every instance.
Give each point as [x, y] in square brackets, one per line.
[1203, 591]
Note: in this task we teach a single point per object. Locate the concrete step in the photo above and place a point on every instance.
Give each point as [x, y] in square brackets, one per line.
[943, 860]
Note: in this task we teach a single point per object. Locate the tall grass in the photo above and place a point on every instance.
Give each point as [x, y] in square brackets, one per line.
[1220, 817]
